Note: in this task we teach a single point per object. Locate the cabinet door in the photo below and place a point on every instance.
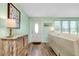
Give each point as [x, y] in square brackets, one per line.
[26, 41]
[1, 48]
[10, 48]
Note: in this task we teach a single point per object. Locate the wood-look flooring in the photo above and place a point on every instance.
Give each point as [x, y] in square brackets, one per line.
[40, 49]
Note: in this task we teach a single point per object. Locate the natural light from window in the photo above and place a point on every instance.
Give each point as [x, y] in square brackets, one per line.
[36, 28]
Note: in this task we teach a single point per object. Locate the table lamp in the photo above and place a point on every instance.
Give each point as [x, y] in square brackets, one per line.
[11, 24]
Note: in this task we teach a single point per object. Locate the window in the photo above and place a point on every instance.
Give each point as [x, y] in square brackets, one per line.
[78, 27]
[65, 26]
[36, 28]
[70, 26]
[73, 27]
[58, 26]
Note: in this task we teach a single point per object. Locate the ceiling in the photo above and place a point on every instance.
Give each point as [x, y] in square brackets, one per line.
[51, 9]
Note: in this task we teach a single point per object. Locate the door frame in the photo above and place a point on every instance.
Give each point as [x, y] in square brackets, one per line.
[32, 32]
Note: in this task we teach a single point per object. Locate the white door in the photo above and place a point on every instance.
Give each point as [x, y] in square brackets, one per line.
[36, 31]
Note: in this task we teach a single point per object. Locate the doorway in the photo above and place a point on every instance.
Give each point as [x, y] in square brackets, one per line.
[36, 31]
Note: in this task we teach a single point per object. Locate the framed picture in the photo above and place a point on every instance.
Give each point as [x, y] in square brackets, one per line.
[47, 24]
[14, 13]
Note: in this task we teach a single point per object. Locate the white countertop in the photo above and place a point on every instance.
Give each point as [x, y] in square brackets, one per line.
[13, 37]
[65, 36]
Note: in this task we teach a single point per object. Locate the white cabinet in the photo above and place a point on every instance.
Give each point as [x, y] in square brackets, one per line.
[64, 44]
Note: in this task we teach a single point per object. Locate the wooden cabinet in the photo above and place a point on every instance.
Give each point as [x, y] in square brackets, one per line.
[14, 46]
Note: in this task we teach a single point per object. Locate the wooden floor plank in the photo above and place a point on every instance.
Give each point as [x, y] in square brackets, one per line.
[40, 49]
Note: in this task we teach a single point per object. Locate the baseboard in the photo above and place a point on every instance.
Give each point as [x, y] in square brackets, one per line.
[38, 42]
[44, 41]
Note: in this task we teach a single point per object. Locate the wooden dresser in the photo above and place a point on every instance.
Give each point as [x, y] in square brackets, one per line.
[14, 46]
